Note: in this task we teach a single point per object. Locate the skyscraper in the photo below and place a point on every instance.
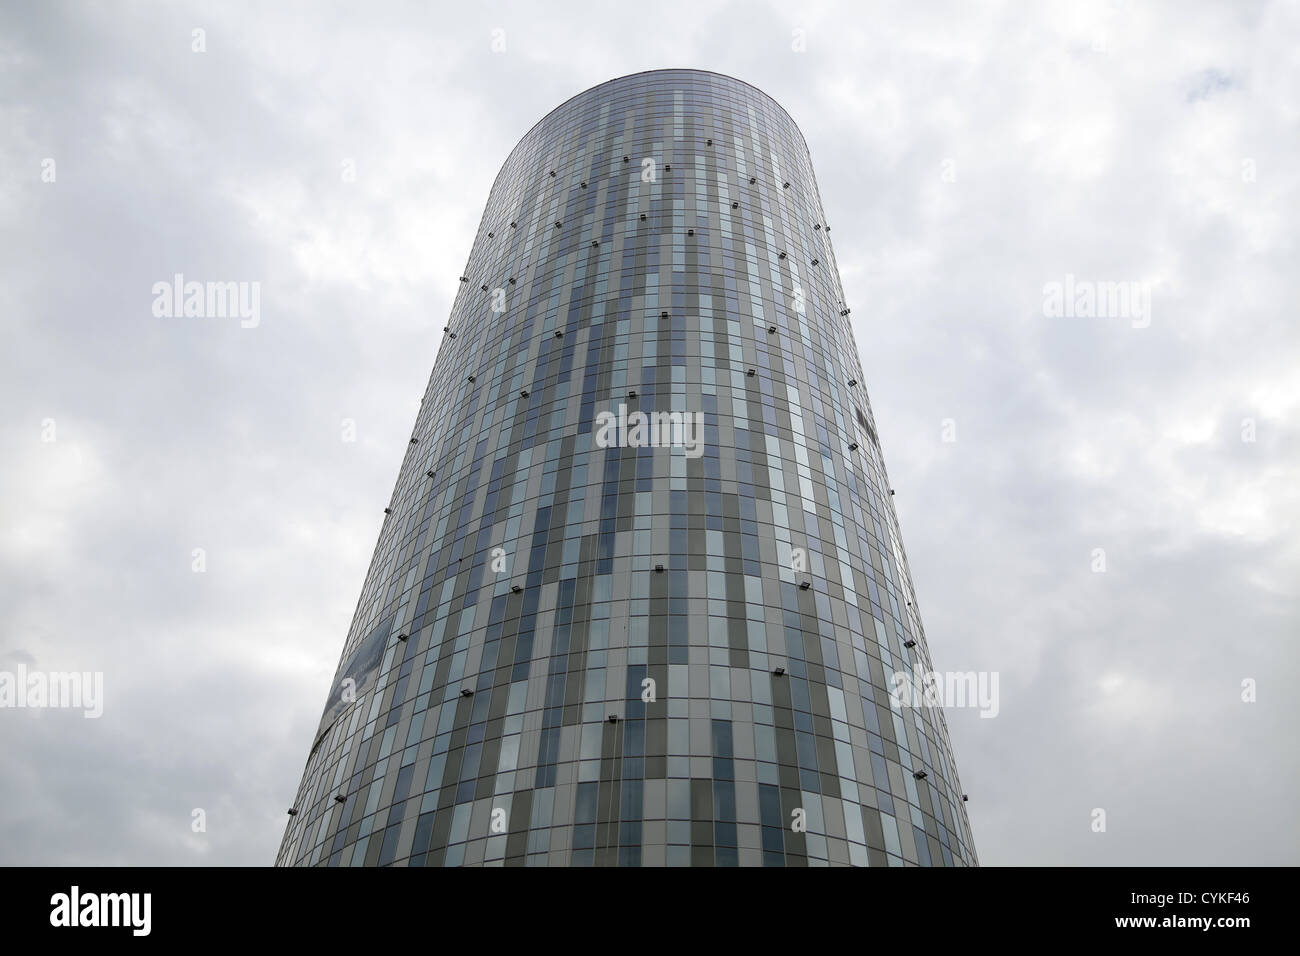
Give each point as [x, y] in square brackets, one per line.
[640, 594]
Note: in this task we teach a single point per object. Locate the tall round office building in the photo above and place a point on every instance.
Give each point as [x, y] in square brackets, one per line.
[640, 596]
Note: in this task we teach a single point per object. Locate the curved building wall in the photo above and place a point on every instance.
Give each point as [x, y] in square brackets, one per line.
[588, 640]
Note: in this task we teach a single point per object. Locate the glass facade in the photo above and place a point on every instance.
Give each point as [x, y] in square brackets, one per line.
[640, 593]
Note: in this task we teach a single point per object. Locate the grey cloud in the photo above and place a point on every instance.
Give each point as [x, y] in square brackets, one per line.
[1131, 142]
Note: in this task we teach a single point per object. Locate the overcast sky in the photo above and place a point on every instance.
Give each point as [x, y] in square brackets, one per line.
[965, 160]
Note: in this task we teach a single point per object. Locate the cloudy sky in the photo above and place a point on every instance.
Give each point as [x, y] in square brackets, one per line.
[341, 155]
